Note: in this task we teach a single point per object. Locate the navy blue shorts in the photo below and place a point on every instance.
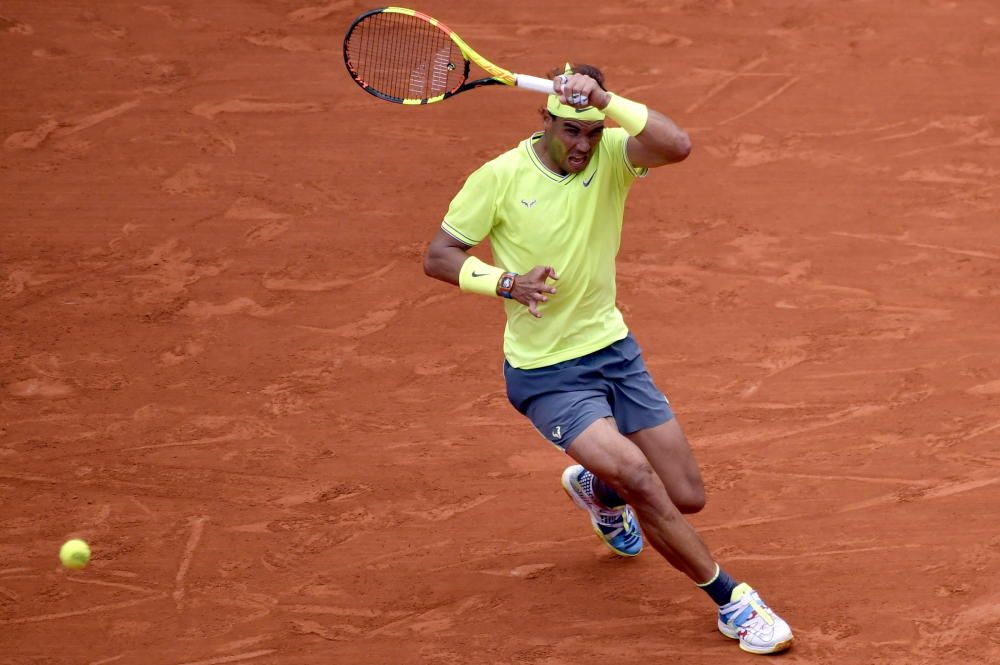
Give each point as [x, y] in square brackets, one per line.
[562, 400]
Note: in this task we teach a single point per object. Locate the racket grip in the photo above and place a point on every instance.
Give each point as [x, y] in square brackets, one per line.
[535, 84]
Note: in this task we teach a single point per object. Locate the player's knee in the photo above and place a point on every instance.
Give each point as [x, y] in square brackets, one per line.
[638, 482]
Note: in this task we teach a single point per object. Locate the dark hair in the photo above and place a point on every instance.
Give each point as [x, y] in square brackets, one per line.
[581, 68]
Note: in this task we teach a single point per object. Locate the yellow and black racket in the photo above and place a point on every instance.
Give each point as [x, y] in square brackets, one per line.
[406, 57]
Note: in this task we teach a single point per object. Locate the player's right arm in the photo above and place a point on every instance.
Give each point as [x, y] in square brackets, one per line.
[446, 260]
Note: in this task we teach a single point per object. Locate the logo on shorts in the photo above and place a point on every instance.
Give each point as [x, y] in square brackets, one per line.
[557, 432]
[529, 204]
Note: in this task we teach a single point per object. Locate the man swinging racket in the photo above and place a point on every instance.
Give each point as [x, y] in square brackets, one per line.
[552, 208]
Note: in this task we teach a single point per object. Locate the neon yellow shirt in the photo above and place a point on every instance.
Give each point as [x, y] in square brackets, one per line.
[534, 216]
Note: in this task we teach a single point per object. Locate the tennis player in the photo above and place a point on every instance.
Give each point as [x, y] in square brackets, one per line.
[552, 208]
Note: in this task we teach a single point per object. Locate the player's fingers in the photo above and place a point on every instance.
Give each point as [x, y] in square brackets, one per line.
[553, 274]
[587, 88]
[559, 83]
[570, 92]
[533, 309]
[548, 272]
[578, 87]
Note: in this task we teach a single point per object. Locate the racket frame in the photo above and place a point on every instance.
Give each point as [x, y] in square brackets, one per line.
[498, 75]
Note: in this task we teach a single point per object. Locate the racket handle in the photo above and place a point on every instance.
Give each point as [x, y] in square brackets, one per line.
[535, 84]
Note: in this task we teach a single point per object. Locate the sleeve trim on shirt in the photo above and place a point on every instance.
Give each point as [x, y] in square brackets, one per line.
[458, 235]
[637, 172]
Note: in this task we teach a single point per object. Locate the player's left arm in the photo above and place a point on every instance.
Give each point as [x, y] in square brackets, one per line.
[654, 139]
[661, 142]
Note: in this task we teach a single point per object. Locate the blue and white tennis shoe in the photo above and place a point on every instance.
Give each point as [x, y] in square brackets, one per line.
[616, 527]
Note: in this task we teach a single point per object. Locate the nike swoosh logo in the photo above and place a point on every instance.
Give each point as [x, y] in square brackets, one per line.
[479, 274]
[586, 183]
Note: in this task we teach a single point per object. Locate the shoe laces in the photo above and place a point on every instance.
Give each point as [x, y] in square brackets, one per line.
[751, 612]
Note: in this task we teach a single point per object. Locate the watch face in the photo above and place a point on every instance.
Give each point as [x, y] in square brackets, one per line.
[506, 282]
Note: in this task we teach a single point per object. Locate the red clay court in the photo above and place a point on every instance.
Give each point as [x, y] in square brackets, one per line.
[222, 365]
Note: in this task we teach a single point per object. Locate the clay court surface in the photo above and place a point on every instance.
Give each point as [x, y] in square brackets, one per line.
[222, 365]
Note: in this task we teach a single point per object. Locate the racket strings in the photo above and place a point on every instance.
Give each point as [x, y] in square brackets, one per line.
[405, 57]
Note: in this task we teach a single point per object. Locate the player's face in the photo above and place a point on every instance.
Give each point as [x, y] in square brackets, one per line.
[571, 142]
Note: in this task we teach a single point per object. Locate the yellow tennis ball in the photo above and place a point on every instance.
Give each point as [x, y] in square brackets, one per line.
[74, 554]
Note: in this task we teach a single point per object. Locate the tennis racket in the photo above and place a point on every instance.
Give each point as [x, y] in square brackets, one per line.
[406, 57]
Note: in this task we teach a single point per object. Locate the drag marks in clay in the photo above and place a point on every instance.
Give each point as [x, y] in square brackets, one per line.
[56, 129]
[210, 110]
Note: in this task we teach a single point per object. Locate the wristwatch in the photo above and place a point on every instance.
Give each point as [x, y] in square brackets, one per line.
[506, 284]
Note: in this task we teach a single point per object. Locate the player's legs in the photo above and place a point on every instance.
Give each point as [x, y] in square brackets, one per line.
[742, 615]
[580, 406]
[668, 452]
[621, 464]
[644, 414]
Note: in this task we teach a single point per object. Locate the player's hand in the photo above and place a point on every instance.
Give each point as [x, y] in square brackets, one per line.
[532, 288]
[580, 91]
